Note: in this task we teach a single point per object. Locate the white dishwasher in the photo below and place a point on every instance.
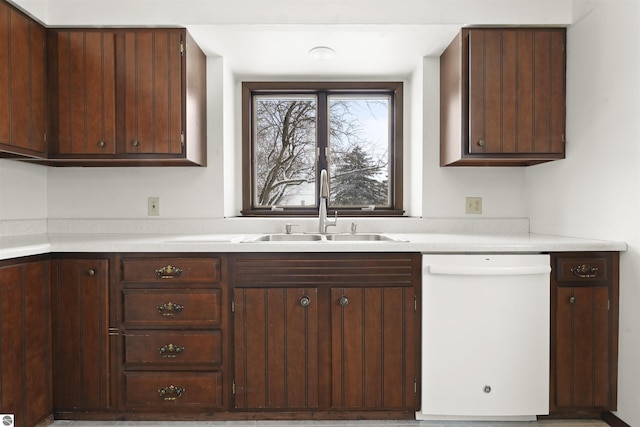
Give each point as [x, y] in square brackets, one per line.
[485, 337]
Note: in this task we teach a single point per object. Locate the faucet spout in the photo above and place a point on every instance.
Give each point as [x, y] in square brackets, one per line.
[323, 221]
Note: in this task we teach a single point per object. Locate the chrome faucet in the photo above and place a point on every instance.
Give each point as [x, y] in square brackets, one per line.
[323, 221]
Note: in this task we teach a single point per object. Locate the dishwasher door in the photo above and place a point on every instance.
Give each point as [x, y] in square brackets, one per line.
[485, 337]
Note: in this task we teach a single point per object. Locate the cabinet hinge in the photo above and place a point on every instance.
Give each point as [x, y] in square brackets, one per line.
[415, 386]
[182, 137]
[233, 388]
[563, 138]
[181, 48]
[44, 137]
[233, 306]
[415, 303]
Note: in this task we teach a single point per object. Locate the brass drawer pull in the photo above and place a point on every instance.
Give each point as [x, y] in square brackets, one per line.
[584, 271]
[171, 393]
[168, 272]
[170, 350]
[91, 272]
[170, 309]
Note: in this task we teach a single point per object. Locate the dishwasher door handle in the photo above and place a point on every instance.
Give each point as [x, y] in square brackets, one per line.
[489, 271]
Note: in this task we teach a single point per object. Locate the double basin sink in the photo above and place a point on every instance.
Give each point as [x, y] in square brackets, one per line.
[319, 237]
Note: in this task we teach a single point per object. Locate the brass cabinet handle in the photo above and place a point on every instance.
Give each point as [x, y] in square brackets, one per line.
[572, 300]
[91, 272]
[101, 143]
[344, 301]
[170, 309]
[584, 271]
[171, 392]
[135, 142]
[168, 272]
[482, 143]
[170, 350]
[305, 301]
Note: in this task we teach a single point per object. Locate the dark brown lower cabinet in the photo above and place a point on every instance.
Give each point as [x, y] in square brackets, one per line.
[584, 321]
[373, 348]
[276, 348]
[25, 336]
[326, 332]
[81, 348]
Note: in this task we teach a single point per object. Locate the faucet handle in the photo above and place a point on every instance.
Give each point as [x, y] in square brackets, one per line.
[288, 227]
[354, 228]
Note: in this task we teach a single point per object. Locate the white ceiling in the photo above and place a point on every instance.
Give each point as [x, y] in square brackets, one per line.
[371, 38]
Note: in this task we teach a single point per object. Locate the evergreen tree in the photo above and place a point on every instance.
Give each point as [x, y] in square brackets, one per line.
[354, 182]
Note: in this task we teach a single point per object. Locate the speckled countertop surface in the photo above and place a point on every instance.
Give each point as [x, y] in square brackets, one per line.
[17, 246]
[33, 237]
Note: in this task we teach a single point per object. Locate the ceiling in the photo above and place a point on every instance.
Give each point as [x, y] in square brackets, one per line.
[265, 38]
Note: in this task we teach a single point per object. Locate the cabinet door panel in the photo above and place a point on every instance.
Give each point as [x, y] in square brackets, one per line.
[373, 353]
[81, 346]
[582, 361]
[86, 92]
[25, 359]
[516, 91]
[153, 113]
[276, 348]
[5, 65]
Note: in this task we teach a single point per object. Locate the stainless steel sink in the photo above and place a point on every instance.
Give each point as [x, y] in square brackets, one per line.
[365, 237]
[282, 237]
[303, 237]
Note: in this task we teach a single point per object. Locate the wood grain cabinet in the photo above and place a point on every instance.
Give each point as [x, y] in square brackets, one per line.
[173, 332]
[502, 97]
[82, 344]
[25, 328]
[119, 96]
[23, 84]
[326, 332]
[584, 344]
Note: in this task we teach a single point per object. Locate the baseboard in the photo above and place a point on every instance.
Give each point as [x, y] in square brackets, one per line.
[613, 421]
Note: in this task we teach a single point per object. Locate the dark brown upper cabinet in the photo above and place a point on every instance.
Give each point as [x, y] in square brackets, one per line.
[119, 97]
[22, 84]
[502, 97]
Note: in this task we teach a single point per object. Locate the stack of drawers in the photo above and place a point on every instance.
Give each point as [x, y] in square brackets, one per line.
[172, 334]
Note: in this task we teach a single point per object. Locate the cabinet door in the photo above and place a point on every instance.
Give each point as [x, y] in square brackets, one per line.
[80, 334]
[373, 348]
[153, 94]
[83, 112]
[25, 359]
[516, 91]
[276, 348]
[582, 348]
[22, 84]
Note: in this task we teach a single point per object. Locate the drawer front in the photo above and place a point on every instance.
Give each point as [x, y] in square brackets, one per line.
[172, 308]
[173, 391]
[171, 270]
[172, 347]
[587, 270]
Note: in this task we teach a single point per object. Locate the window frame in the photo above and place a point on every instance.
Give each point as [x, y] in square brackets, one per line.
[394, 89]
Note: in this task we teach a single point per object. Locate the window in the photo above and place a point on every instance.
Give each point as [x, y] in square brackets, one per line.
[292, 131]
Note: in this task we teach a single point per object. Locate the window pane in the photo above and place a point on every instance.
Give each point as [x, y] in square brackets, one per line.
[284, 150]
[359, 160]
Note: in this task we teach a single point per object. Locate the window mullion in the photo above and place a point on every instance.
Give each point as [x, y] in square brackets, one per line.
[322, 141]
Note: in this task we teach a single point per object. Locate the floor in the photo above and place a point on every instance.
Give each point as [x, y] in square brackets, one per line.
[403, 423]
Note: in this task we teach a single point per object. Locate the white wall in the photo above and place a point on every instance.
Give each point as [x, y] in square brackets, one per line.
[23, 190]
[595, 191]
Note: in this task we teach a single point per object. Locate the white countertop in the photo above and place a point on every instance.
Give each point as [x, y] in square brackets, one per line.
[18, 246]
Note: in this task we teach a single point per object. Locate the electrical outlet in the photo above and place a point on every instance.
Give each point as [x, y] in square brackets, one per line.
[7, 420]
[153, 206]
[473, 205]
